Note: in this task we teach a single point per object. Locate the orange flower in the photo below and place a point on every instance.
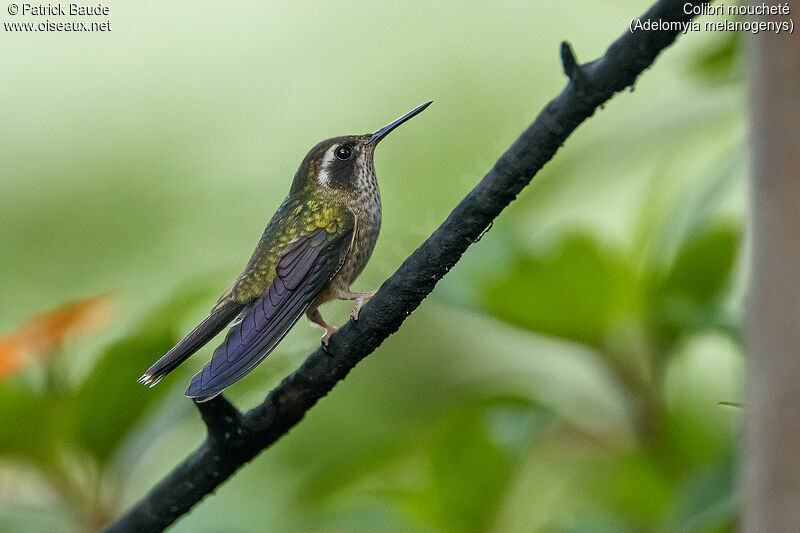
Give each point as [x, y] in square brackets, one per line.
[13, 355]
[43, 333]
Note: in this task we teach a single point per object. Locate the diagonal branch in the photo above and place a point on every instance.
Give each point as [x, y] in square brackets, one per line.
[235, 438]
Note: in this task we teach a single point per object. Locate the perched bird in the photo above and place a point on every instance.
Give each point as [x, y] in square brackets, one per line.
[315, 245]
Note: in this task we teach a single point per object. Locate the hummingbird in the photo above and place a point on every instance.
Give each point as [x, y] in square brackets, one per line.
[314, 246]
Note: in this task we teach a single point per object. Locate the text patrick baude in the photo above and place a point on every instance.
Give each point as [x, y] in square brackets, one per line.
[65, 9]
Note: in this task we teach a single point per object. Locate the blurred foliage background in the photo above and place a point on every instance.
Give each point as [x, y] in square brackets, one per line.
[571, 374]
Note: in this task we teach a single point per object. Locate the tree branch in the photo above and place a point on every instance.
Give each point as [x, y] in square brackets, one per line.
[234, 439]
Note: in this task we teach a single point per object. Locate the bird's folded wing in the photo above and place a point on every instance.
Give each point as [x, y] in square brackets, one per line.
[306, 265]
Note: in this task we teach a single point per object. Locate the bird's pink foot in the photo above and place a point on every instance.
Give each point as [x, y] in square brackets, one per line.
[360, 298]
[315, 317]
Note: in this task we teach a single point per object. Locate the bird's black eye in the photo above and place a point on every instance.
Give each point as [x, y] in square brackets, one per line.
[344, 152]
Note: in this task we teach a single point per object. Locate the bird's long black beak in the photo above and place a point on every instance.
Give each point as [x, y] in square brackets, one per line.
[384, 131]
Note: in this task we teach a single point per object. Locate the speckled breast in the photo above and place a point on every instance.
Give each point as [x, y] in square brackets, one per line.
[367, 210]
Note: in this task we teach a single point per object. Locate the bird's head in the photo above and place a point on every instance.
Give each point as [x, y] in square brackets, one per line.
[344, 163]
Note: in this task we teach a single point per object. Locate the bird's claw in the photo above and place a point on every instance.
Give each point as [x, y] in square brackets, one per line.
[360, 302]
[329, 330]
[356, 309]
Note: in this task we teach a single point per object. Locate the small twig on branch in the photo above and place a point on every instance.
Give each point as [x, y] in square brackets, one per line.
[234, 438]
[572, 69]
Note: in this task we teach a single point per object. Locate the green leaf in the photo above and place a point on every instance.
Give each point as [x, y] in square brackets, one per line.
[688, 297]
[111, 402]
[704, 264]
[32, 423]
[577, 291]
[719, 62]
[672, 213]
[469, 472]
[707, 501]
[471, 461]
[632, 486]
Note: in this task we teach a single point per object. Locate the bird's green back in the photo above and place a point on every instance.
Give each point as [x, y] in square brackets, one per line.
[298, 216]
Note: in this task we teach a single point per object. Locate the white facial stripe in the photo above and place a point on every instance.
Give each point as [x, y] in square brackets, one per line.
[324, 178]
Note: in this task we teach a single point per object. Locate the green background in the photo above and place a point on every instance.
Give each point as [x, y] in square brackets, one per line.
[565, 376]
